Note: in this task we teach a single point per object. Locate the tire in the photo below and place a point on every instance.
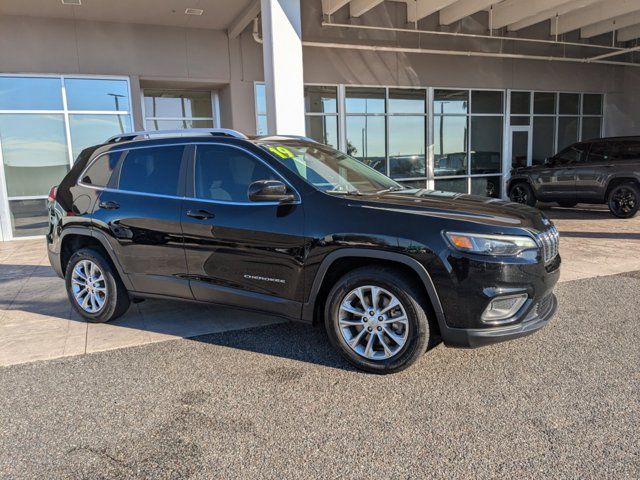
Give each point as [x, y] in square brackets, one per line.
[567, 204]
[415, 334]
[107, 286]
[624, 200]
[522, 193]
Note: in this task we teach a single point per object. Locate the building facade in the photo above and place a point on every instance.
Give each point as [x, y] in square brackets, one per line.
[434, 105]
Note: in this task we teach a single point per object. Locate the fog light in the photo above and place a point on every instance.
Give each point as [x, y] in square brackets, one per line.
[501, 308]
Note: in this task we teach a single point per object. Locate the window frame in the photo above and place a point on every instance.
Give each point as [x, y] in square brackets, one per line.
[215, 109]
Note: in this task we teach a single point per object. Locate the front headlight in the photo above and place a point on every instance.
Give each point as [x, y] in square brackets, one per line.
[499, 245]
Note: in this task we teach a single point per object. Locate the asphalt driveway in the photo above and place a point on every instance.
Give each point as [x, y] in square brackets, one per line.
[276, 402]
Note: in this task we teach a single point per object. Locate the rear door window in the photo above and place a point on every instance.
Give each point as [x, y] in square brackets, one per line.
[153, 170]
[600, 152]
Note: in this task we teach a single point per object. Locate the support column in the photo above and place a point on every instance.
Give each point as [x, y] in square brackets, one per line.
[282, 53]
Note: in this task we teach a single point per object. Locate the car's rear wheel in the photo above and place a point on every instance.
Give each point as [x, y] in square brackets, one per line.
[624, 200]
[522, 193]
[94, 289]
[377, 319]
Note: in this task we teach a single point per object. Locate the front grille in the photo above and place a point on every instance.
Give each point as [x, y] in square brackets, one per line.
[549, 241]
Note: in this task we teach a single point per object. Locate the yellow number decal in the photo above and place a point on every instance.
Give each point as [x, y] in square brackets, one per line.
[282, 152]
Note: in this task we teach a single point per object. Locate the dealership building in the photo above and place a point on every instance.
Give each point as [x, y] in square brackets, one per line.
[439, 94]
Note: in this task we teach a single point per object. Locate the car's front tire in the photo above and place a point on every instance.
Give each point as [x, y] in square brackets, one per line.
[624, 200]
[377, 319]
[522, 192]
[94, 289]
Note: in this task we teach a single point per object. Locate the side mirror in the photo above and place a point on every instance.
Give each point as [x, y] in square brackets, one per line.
[270, 191]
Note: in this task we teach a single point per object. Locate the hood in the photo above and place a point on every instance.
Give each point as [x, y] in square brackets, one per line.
[460, 207]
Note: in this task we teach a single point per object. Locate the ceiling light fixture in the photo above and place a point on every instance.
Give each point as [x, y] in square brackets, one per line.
[193, 11]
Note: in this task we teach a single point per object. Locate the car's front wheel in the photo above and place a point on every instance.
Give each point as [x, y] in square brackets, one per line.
[94, 289]
[377, 319]
[624, 200]
[521, 192]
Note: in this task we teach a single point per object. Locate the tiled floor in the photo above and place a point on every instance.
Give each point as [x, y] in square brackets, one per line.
[37, 321]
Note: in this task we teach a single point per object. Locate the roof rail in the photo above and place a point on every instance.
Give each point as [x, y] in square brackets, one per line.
[187, 132]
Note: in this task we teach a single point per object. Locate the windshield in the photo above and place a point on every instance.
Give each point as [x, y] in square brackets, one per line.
[327, 169]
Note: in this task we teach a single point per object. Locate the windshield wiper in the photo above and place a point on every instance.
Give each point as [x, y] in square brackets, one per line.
[345, 192]
[390, 189]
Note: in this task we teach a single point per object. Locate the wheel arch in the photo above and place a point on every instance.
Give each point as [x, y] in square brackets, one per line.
[74, 238]
[515, 180]
[615, 181]
[341, 261]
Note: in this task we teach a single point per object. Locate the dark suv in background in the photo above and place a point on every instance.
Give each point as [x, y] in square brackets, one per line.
[604, 170]
[287, 226]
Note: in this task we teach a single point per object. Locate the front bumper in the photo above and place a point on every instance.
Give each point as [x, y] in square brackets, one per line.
[542, 313]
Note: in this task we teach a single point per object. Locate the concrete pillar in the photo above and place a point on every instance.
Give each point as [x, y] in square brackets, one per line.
[282, 53]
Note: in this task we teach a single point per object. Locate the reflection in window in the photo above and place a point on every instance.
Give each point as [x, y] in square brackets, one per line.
[30, 93]
[591, 127]
[320, 99]
[458, 185]
[407, 100]
[591, 104]
[97, 94]
[88, 130]
[569, 103]
[486, 145]
[486, 101]
[544, 103]
[487, 186]
[151, 170]
[543, 139]
[100, 171]
[29, 217]
[34, 149]
[178, 124]
[567, 131]
[450, 101]
[366, 140]
[323, 129]
[178, 109]
[407, 146]
[520, 103]
[261, 108]
[450, 145]
[365, 100]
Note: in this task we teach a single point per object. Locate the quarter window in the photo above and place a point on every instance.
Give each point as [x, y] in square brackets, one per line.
[224, 173]
[99, 173]
[151, 170]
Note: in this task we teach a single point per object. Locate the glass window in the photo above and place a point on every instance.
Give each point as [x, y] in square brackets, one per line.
[544, 103]
[87, 130]
[570, 154]
[100, 171]
[177, 103]
[30, 93]
[626, 150]
[323, 129]
[416, 184]
[406, 147]
[450, 101]
[97, 94]
[157, 124]
[225, 173]
[591, 104]
[600, 152]
[321, 99]
[458, 185]
[543, 139]
[486, 145]
[261, 128]
[520, 103]
[487, 186]
[519, 149]
[569, 103]
[591, 127]
[406, 100]
[152, 170]
[366, 140]
[450, 145]
[484, 101]
[520, 120]
[29, 217]
[261, 98]
[365, 100]
[567, 131]
[34, 149]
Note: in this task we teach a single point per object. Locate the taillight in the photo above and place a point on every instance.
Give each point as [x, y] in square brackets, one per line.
[52, 194]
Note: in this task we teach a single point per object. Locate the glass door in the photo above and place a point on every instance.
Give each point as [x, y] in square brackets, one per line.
[519, 147]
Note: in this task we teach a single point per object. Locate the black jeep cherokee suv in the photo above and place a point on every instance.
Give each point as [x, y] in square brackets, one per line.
[603, 170]
[287, 226]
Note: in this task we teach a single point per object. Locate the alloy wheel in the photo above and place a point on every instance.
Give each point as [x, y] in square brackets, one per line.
[624, 200]
[89, 286]
[519, 194]
[373, 322]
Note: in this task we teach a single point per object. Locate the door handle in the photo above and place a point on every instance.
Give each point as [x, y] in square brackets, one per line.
[109, 205]
[200, 214]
